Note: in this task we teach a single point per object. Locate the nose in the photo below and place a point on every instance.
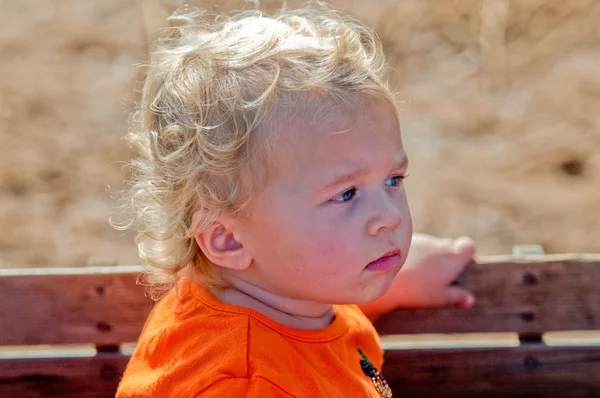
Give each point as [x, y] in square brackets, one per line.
[387, 214]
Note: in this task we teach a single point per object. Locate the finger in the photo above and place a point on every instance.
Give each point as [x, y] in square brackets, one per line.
[464, 247]
[458, 296]
[463, 250]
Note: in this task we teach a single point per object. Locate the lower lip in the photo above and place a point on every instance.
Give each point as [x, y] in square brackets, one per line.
[386, 263]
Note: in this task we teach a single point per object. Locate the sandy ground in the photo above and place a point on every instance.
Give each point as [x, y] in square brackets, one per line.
[501, 120]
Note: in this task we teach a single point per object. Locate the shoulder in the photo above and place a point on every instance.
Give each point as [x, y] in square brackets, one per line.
[192, 345]
[186, 347]
[184, 327]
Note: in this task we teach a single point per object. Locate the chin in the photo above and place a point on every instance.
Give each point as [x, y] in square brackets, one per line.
[380, 287]
[374, 291]
[366, 291]
[362, 298]
[377, 294]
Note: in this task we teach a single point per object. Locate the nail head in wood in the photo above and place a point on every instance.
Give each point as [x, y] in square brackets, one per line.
[531, 362]
[108, 372]
[103, 327]
[528, 316]
[529, 279]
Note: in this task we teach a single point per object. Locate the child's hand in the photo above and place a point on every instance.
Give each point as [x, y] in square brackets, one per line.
[432, 265]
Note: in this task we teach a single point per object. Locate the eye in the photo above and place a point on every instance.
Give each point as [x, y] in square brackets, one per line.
[345, 196]
[395, 180]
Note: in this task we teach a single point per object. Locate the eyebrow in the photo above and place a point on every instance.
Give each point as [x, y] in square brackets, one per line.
[355, 174]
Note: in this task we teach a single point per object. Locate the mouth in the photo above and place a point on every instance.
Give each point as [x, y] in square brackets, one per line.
[389, 261]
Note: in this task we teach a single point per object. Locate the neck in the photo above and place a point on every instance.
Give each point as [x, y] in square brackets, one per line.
[291, 312]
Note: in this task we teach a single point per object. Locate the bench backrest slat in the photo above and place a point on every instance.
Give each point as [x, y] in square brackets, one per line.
[526, 298]
[104, 306]
[96, 376]
[524, 371]
[96, 305]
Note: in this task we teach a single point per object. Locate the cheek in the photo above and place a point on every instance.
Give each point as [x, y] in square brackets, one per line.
[327, 245]
[304, 236]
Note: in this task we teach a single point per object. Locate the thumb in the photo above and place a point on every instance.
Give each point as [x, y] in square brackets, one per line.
[458, 296]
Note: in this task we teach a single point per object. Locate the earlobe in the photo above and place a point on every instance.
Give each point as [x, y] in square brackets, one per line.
[219, 245]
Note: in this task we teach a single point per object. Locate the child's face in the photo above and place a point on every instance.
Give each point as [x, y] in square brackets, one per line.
[335, 202]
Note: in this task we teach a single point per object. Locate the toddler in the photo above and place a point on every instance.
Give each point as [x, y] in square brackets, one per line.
[271, 212]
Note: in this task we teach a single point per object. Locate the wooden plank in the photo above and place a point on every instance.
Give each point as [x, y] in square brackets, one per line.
[522, 297]
[525, 371]
[98, 305]
[534, 371]
[103, 305]
[96, 377]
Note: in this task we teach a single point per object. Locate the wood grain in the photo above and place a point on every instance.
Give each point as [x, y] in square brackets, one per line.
[526, 298]
[96, 377]
[104, 306]
[525, 371]
[98, 305]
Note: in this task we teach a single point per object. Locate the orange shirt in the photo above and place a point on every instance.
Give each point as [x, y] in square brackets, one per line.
[195, 345]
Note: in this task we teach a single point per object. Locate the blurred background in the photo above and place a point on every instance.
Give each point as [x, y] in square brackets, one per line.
[501, 119]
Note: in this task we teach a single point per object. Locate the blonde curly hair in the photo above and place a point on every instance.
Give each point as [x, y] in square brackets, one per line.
[213, 84]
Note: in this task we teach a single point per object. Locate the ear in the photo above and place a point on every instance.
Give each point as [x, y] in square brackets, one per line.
[219, 245]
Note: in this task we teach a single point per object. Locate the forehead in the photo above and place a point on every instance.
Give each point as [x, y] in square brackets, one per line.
[306, 148]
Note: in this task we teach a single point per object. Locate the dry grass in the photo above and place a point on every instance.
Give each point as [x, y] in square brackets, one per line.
[502, 119]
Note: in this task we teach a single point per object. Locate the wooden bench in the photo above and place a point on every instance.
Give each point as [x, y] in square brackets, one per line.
[65, 332]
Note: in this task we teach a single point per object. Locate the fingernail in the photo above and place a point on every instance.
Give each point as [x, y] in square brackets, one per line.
[468, 302]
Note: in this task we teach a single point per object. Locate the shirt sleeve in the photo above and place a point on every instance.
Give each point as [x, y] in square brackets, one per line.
[253, 387]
